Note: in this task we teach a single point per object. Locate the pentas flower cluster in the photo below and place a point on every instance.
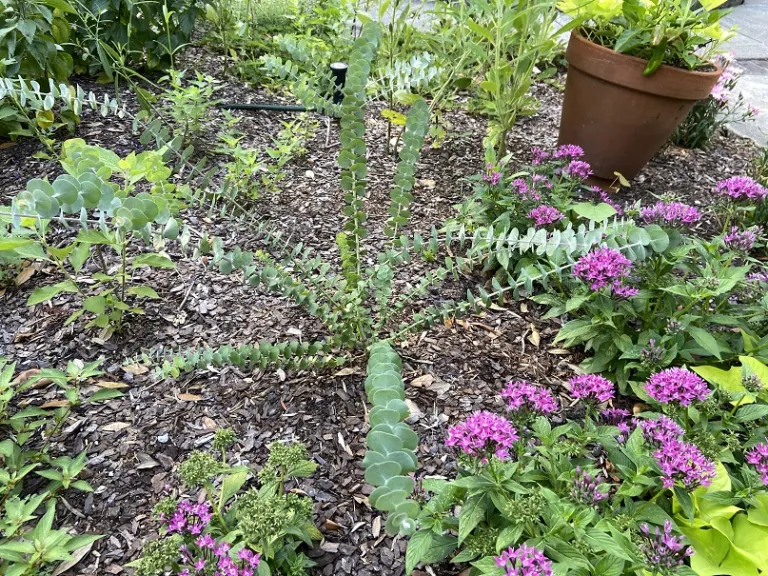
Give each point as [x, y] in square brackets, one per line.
[652, 354]
[683, 462]
[663, 552]
[578, 169]
[676, 386]
[591, 387]
[758, 457]
[189, 518]
[605, 268]
[740, 240]
[566, 152]
[621, 419]
[543, 215]
[527, 397]
[585, 488]
[741, 188]
[524, 561]
[657, 431]
[670, 214]
[614, 416]
[482, 434]
[212, 558]
[758, 277]
[492, 176]
[525, 191]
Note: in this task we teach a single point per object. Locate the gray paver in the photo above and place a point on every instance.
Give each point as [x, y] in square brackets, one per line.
[750, 46]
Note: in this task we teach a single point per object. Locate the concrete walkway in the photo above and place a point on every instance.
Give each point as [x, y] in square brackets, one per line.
[750, 46]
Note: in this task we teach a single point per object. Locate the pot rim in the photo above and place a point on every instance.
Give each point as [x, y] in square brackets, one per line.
[575, 33]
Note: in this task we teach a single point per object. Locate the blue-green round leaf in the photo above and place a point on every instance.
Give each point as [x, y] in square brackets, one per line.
[377, 474]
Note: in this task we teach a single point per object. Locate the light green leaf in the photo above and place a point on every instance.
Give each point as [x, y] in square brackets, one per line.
[46, 293]
[143, 292]
[153, 260]
[594, 212]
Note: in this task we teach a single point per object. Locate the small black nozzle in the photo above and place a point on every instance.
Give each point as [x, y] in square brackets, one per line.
[339, 71]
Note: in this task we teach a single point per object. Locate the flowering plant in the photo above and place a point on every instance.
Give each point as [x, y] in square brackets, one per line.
[257, 533]
[541, 195]
[708, 116]
[741, 200]
[548, 505]
[638, 317]
[671, 32]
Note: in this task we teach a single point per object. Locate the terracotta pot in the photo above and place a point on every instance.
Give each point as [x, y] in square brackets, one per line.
[618, 116]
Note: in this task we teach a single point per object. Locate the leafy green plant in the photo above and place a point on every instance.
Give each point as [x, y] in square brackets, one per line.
[546, 194]
[189, 105]
[288, 144]
[148, 33]
[357, 305]
[510, 37]
[260, 530]
[31, 39]
[390, 456]
[27, 110]
[680, 33]
[29, 544]
[10, 262]
[676, 311]
[122, 217]
[241, 171]
[708, 116]
[302, 63]
[537, 487]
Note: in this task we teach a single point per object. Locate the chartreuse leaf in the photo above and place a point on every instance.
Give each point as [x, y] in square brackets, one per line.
[594, 212]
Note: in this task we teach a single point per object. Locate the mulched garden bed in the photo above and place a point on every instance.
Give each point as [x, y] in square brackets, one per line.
[135, 443]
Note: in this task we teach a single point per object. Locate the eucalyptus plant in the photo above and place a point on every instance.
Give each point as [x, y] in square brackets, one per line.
[107, 216]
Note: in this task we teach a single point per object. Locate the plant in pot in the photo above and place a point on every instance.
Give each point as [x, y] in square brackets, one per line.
[635, 70]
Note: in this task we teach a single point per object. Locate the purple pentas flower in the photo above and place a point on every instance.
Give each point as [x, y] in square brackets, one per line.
[740, 240]
[541, 181]
[524, 561]
[656, 431]
[586, 489]
[758, 457]
[591, 387]
[578, 169]
[190, 518]
[683, 462]
[604, 267]
[671, 214]
[568, 152]
[676, 386]
[483, 434]
[492, 176]
[614, 416]
[525, 190]
[543, 215]
[624, 291]
[741, 188]
[662, 551]
[527, 397]
[210, 557]
[539, 156]
[758, 277]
